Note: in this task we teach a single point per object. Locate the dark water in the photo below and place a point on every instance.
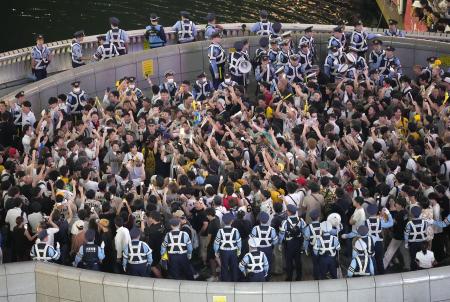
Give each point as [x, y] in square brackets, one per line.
[58, 19]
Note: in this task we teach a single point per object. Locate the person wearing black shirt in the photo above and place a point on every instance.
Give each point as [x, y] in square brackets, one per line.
[245, 228]
[154, 233]
[106, 236]
[213, 228]
[200, 224]
[400, 216]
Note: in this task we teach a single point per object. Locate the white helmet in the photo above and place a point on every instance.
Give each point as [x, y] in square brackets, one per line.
[326, 226]
[334, 219]
[351, 57]
[342, 68]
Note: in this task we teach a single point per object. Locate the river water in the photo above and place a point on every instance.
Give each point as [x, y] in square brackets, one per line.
[58, 19]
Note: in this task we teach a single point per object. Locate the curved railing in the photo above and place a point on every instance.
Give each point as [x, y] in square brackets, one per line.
[30, 281]
[15, 64]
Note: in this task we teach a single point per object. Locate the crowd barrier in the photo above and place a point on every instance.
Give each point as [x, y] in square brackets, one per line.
[31, 281]
[187, 61]
[15, 65]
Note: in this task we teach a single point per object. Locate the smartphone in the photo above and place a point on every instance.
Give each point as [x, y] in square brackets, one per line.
[108, 89]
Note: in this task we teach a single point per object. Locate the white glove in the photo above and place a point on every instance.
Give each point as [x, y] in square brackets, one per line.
[406, 245]
[344, 236]
[280, 248]
[189, 256]
[307, 252]
[57, 245]
[238, 252]
[385, 210]
[102, 245]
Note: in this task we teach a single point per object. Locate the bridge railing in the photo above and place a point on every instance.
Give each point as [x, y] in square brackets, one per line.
[15, 65]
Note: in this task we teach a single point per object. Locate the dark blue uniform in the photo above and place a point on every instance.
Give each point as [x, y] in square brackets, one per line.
[228, 245]
[178, 246]
[155, 35]
[137, 258]
[291, 232]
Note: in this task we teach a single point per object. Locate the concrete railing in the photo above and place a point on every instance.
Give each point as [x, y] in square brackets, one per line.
[187, 61]
[15, 65]
[30, 281]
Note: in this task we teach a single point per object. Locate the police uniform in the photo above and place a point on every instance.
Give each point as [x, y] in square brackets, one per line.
[358, 40]
[41, 251]
[185, 29]
[415, 235]
[334, 41]
[16, 113]
[117, 36]
[386, 63]
[76, 101]
[263, 27]
[326, 247]
[132, 89]
[227, 82]
[294, 73]
[283, 58]
[305, 60]
[217, 60]
[178, 246]
[105, 50]
[361, 264]
[332, 63]
[306, 40]
[227, 245]
[254, 265]
[264, 75]
[394, 33]
[266, 237]
[41, 55]
[202, 90]
[211, 27]
[234, 59]
[76, 50]
[368, 240]
[137, 256]
[89, 256]
[155, 34]
[291, 234]
[172, 87]
[311, 233]
[376, 57]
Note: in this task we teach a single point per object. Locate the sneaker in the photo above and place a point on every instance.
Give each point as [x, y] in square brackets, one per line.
[196, 275]
[212, 279]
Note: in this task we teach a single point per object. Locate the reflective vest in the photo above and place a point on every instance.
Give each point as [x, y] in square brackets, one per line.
[116, 38]
[77, 101]
[264, 28]
[106, 51]
[273, 55]
[228, 242]
[256, 262]
[90, 254]
[305, 60]
[375, 58]
[154, 36]
[185, 33]
[293, 228]
[136, 254]
[235, 59]
[315, 232]
[263, 233]
[41, 252]
[308, 41]
[374, 225]
[43, 55]
[216, 52]
[203, 90]
[294, 73]
[362, 266]
[335, 42]
[358, 41]
[326, 247]
[176, 242]
[75, 59]
[370, 245]
[283, 58]
[418, 231]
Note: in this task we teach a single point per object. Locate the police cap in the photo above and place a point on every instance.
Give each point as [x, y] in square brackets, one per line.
[201, 75]
[294, 57]
[314, 214]
[184, 14]
[20, 94]
[75, 84]
[276, 26]
[174, 222]
[153, 17]
[264, 41]
[215, 34]
[286, 34]
[238, 45]
[377, 42]
[227, 218]
[308, 29]
[363, 230]
[416, 211]
[210, 17]
[372, 209]
[359, 22]
[114, 21]
[284, 42]
[39, 37]
[101, 38]
[279, 70]
[263, 13]
[291, 208]
[42, 234]
[169, 73]
[135, 233]
[89, 235]
[263, 217]
[390, 48]
[264, 57]
[79, 34]
[431, 60]
[393, 22]
[337, 29]
[131, 79]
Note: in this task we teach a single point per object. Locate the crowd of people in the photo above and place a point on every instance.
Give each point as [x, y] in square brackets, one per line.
[342, 166]
[435, 15]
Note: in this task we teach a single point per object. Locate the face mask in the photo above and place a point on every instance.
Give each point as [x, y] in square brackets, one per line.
[335, 53]
[203, 80]
[76, 90]
[170, 81]
[132, 86]
[227, 81]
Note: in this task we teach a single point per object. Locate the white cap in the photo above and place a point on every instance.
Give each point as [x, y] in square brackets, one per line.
[253, 242]
[334, 219]
[342, 68]
[417, 4]
[351, 57]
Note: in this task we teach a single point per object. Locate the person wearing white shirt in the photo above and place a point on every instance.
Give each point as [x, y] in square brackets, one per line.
[122, 238]
[133, 155]
[359, 216]
[26, 139]
[28, 117]
[425, 258]
[15, 212]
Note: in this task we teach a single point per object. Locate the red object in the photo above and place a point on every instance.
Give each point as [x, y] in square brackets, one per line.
[12, 152]
[301, 181]
[411, 23]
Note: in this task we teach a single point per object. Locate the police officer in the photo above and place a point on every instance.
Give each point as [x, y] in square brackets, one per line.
[185, 29]
[284, 54]
[327, 247]
[76, 49]
[132, 90]
[376, 225]
[76, 100]
[41, 57]
[154, 33]
[42, 251]
[217, 59]
[117, 36]
[90, 255]
[263, 27]
[212, 27]
[169, 83]
[265, 71]
[332, 62]
[415, 234]
[273, 51]
[359, 37]
[266, 236]
[254, 265]
[293, 70]
[308, 39]
[227, 248]
[291, 234]
[393, 31]
[137, 255]
[336, 40]
[305, 58]
[361, 264]
[376, 55]
[390, 63]
[234, 60]
[227, 82]
[105, 50]
[311, 233]
[202, 88]
[178, 247]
